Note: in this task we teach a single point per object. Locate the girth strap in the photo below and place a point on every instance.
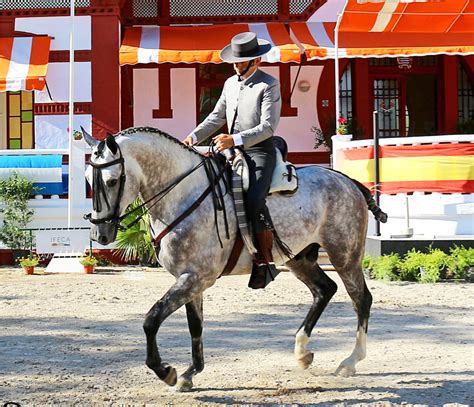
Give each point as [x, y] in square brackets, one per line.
[234, 255]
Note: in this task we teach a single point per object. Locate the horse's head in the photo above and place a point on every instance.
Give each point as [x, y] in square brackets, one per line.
[111, 188]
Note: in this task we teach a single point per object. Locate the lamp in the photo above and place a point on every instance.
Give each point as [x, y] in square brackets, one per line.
[304, 85]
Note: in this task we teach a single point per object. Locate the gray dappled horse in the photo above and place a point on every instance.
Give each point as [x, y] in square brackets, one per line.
[328, 211]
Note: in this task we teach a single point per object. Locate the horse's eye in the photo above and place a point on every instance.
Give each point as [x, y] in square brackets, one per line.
[111, 183]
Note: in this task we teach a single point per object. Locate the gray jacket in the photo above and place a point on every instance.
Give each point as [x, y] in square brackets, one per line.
[259, 105]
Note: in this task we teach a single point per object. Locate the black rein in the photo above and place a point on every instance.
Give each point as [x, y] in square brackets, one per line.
[214, 187]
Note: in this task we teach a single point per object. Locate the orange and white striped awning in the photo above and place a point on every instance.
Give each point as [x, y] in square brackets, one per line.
[317, 39]
[392, 28]
[450, 16]
[159, 44]
[23, 63]
[388, 1]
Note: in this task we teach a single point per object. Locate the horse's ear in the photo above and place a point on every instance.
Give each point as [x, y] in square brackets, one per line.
[111, 143]
[88, 138]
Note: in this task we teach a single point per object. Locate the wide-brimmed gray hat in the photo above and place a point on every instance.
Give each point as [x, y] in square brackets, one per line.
[244, 47]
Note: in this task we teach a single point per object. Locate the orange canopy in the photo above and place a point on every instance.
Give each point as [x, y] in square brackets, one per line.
[450, 16]
[392, 29]
[23, 63]
[157, 44]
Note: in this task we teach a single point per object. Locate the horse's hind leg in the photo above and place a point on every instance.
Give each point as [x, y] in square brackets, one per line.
[185, 289]
[306, 269]
[194, 315]
[353, 279]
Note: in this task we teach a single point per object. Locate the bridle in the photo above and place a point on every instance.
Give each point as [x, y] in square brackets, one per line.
[100, 189]
[116, 219]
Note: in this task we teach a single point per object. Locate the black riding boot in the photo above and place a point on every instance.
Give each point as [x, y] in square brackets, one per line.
[264, 270]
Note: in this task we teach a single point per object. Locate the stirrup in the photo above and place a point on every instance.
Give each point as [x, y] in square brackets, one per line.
[262, 275]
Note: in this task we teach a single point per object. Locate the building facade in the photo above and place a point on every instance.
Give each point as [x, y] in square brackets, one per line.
[415, 95]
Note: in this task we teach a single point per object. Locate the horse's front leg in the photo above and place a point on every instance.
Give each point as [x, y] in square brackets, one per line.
[194, 314]
[184, 290]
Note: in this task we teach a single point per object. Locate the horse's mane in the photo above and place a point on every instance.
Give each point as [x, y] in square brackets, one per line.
[132, 130]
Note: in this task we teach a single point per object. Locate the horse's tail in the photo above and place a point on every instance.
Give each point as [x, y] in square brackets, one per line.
[378, 213]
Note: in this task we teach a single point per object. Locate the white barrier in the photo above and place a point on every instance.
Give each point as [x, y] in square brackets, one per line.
[431, 214]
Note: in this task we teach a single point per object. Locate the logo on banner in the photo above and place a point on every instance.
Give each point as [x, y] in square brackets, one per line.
[60, 241]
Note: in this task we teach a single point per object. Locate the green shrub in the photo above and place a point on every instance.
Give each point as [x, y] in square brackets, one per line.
[15, 193]
[411, 264]
[458, 262]
[386, 267]
[435, 264]
[368, 262]
[423, 267]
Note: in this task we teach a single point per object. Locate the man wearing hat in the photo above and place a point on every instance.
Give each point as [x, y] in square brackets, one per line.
[250, 104]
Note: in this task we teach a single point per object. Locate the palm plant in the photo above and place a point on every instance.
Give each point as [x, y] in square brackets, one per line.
[135, 243]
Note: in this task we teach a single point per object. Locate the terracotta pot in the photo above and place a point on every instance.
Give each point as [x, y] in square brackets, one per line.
[88, 269]
[29, 269]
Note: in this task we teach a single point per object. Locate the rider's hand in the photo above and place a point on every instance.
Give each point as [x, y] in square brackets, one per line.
[223, 141]
[188, 141]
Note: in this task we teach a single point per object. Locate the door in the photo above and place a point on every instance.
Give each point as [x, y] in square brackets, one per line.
[406, 105]
[210, 80]
[389, 102]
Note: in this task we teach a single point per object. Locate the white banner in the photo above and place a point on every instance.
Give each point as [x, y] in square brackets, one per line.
[62, 241]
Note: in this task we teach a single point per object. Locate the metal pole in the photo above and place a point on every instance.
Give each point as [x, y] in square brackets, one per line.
[375, 118]
[336, 62]
[336, 68]
[71, 114]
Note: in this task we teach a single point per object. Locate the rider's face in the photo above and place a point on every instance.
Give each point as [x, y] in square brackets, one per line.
[240, 67]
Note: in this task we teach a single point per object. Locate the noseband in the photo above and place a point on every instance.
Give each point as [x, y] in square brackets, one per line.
[100, 189]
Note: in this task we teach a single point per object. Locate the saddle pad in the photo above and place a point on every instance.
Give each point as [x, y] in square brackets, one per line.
[284, 175]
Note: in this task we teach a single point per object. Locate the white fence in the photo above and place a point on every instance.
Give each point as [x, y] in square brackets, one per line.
[430, 214]
[54, 212]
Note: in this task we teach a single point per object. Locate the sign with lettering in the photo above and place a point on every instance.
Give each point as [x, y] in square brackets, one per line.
[62, 241]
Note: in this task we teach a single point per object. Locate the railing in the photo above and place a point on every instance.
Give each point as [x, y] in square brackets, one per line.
[81, 155]
[54, 212]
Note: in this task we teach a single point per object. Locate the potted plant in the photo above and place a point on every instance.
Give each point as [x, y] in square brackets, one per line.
[342, 126]
[29, 263]
[89, 263]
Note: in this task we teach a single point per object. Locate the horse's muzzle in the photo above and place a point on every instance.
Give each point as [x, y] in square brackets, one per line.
[104, 234]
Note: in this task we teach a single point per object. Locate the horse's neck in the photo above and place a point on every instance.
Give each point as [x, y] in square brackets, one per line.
[162, 162]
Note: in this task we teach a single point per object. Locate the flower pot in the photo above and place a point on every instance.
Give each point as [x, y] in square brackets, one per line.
[88, 269]
[29, 269]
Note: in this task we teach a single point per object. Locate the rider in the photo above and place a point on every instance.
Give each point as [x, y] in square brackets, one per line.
[250, 103]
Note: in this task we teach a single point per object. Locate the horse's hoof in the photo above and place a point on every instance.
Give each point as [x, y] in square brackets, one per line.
[345, 370]
[184, 385]
[306, 360]
[171, 377]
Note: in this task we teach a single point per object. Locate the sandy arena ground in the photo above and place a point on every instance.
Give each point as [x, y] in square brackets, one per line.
[78, 339]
